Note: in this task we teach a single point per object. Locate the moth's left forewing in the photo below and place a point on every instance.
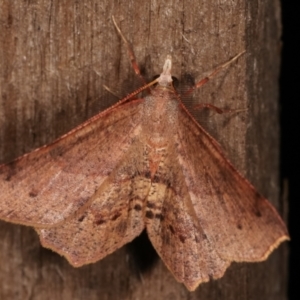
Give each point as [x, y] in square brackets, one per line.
[114, 217]
[48, 185]
[240, 223]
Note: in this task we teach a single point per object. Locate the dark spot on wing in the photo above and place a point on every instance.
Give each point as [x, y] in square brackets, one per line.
[99, 222]
[81, 218]
[9, 20]
[171, 229]
[156, 179]
[159, 216]
[116, 216]
[149, 214]
[148, 174]
[181, 238]
[7, 178]
[138, 207]
[168, 183]
[33, 194]
[150, 205]
[99, 219]
[239, 226]
[258, 213]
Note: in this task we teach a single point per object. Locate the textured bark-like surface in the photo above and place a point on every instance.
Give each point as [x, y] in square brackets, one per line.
[54, 59]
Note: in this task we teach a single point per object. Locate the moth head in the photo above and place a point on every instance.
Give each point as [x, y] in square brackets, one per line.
[165, 78]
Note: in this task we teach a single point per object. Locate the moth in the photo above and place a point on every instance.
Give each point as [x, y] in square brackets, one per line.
[142, 163]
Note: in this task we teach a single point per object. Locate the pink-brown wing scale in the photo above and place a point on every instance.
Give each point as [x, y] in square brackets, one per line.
[174, 229]
[49, 184]
[239, 223]
[114, 218]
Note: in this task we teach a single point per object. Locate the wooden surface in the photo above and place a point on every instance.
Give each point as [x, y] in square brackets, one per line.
[55, 57]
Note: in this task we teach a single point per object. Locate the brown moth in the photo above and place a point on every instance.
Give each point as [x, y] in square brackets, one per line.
[142, 163]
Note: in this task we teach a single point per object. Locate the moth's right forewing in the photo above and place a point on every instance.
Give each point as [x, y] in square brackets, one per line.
[46, 186]
[175, 230]
[240, 223]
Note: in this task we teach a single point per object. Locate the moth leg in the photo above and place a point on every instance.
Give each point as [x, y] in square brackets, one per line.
[131, 53]
[212, 74]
